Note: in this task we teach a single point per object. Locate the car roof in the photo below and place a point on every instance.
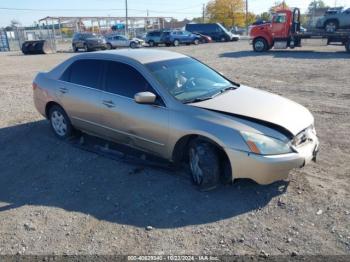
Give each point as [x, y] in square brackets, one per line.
[143, 56]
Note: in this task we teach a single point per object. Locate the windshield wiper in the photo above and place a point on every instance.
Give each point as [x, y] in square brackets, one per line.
[197, 99]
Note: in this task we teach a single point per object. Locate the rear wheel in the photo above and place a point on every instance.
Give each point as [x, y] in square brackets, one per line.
[75, 49]
[204, 164]
[260, 45]
[151, 43]
[176, 42]
[86, 48]
[347, 46]
[60, 122]
[133, 45]
[196, 42]
[331, 26]
[223, 39]
[108, 46]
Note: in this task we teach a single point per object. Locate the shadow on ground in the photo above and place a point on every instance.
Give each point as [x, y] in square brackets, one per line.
[37, 169]
[294, 54]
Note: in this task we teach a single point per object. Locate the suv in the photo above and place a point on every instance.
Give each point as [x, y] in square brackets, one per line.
[178, 37]
[88, 42]
[153, 38]
[215, 30]
[334, 19]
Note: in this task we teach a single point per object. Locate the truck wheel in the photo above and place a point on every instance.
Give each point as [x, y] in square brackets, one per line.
[204, 164]
[331, 26]
[260, 45]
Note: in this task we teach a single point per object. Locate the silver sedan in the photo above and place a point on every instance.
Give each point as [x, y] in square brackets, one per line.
[176, 107]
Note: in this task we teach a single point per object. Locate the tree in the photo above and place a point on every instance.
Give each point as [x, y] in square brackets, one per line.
[316, 5]
[278, 5]
[266, 16]
[15, 23]
[251, 18]
[228, 12]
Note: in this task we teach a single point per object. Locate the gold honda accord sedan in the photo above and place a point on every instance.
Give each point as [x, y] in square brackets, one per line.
[176, 107]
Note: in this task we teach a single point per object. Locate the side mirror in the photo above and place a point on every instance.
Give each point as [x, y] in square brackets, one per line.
[145, 98]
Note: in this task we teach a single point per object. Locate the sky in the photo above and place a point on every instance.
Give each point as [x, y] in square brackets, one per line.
[173, 8]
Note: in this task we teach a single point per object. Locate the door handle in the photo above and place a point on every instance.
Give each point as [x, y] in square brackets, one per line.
[108, 103]
[63, 90]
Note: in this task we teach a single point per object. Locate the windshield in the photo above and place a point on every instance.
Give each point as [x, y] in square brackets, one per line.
[188, 80]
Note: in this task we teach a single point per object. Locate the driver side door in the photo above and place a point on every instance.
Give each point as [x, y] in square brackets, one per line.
[144, 126]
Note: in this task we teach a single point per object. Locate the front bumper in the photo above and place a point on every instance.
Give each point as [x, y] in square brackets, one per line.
[268, 169]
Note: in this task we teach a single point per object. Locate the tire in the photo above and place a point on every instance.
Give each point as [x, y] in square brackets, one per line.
[109, 46]
[331, 26]
[196, 42]
[60, 123]
[86, 48]
[223, 39]
[260, 45]
[133, 45]
[151, 43]
[176, 42]
[204, 164]
[347, 46]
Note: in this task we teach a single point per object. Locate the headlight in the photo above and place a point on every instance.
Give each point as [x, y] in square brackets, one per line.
[265, 145]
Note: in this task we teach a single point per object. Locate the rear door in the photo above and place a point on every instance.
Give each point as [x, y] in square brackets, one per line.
[79, 92]
[139, 125]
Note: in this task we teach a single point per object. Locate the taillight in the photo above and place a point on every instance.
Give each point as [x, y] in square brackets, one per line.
[34, 85]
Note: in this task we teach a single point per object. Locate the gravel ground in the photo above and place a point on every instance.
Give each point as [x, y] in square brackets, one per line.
[58, 199]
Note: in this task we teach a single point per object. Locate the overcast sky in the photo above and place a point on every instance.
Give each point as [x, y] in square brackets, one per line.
[175, 8]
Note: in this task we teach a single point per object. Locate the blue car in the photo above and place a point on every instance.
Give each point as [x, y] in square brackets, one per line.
[178, 37]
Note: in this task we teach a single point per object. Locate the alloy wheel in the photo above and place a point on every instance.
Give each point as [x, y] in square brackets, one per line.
[59, 123]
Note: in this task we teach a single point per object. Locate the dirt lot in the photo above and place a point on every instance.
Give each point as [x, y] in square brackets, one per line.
[58, 199]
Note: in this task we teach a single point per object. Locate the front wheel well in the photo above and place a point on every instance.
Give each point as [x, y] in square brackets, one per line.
[336, 21]
[48, 107]
[182, 147]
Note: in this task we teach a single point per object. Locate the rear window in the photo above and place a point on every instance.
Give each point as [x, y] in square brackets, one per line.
[85, 72]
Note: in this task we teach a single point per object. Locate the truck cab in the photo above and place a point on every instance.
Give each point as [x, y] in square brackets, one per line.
[278, 33]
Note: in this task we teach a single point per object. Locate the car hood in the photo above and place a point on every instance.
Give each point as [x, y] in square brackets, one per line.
[262, 106]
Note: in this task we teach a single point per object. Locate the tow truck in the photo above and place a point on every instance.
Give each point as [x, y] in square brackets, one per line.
[284, 31]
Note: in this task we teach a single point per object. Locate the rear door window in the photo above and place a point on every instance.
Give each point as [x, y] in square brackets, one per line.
[85, 72]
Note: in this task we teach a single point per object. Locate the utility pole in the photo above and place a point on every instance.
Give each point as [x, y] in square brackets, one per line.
[203, 13]
[126, 17]
[246, 15]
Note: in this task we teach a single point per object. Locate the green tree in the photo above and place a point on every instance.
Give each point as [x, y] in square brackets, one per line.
[266, 16]
[316, 5]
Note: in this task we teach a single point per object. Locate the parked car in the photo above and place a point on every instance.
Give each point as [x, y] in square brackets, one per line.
[114, 41]
[215, 30]
[203, 39]
[334, 20]
[177, 37]
[238, 30]
[178, 108]
[88, 42]
[153, 38]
